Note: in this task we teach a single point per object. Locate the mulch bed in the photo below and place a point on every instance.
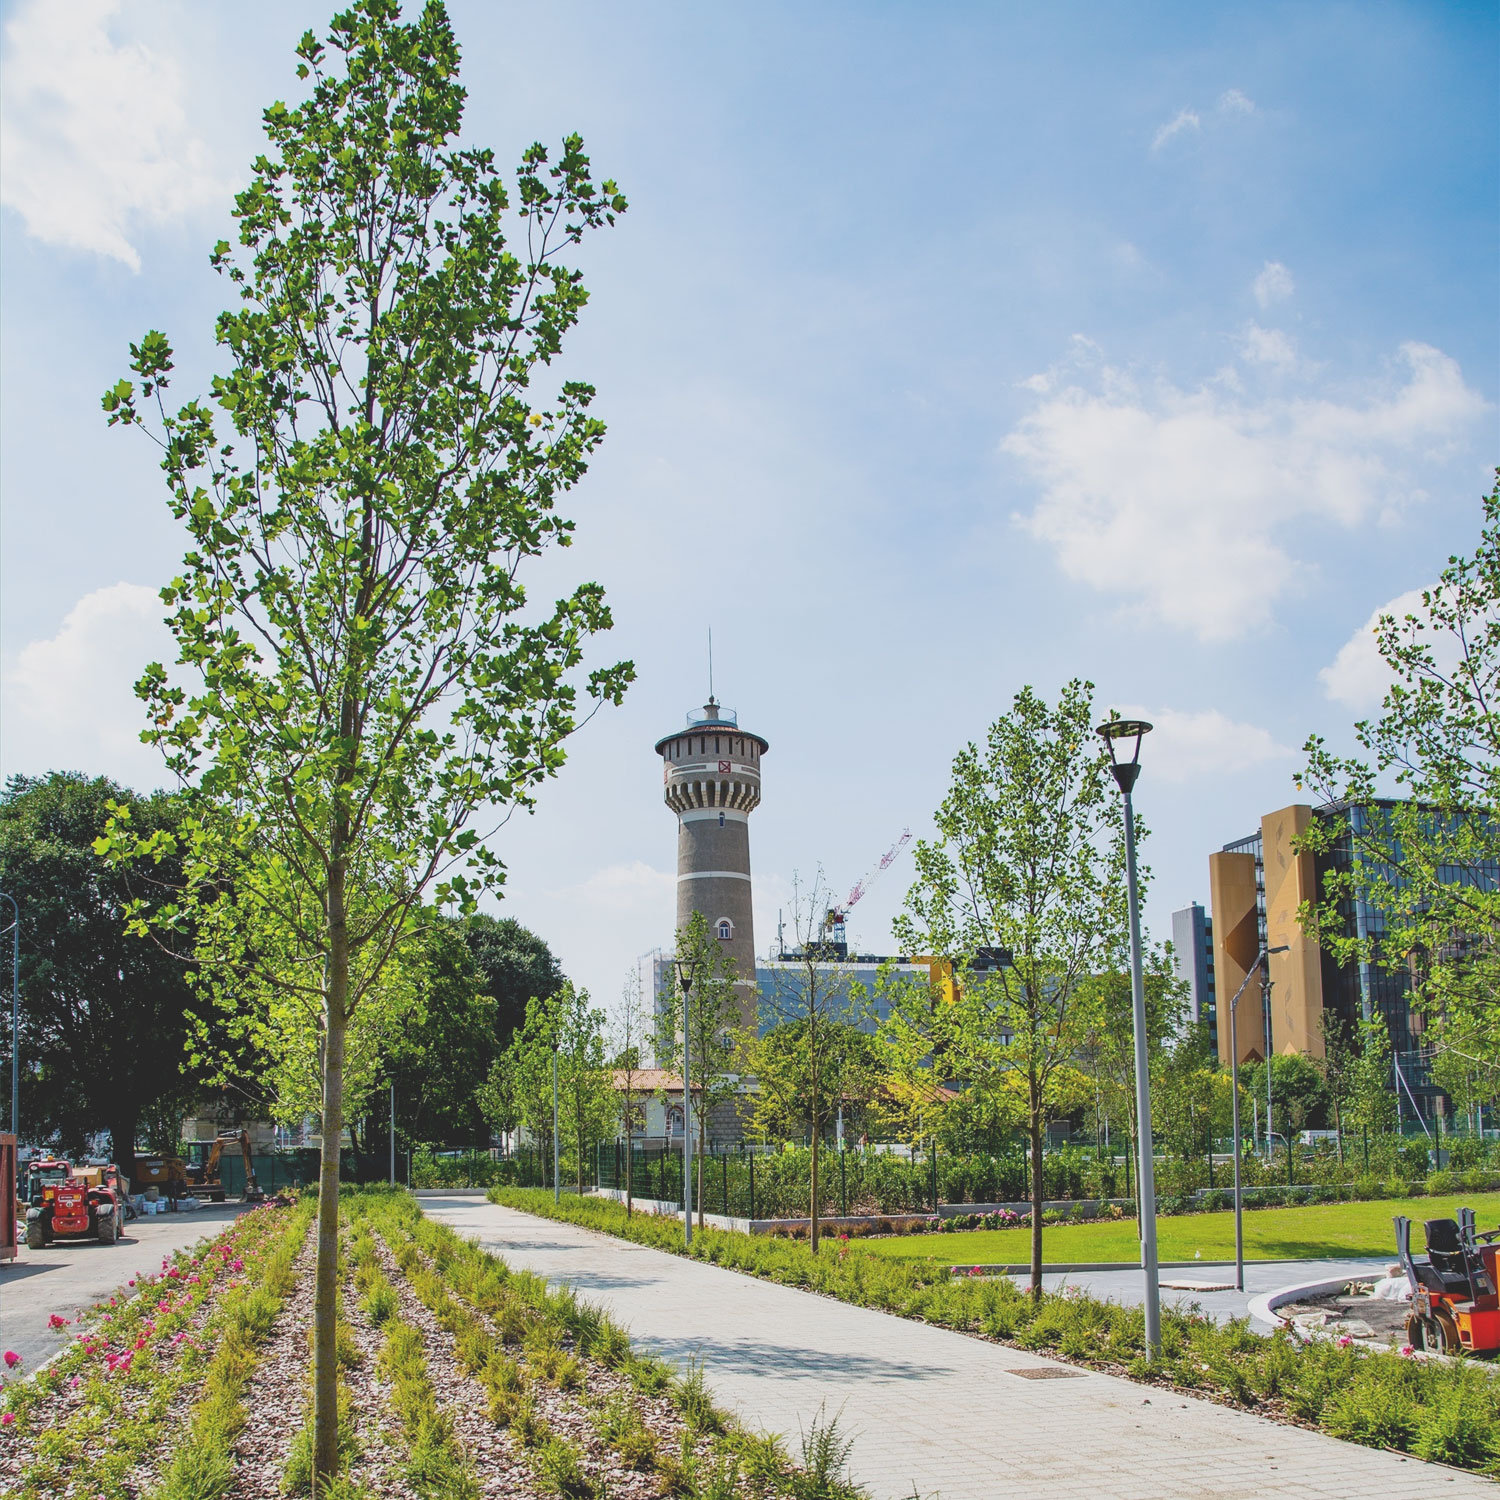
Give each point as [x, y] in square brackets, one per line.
[566, 1412]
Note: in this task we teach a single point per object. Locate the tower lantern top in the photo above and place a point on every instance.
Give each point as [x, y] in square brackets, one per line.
[711, 717]
[712, 713]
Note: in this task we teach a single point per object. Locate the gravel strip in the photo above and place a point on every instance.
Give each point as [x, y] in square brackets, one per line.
[277, 1394]
[568, 1412]
[498, 1463]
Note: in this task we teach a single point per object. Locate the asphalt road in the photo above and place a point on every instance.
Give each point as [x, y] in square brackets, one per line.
[68, 1277]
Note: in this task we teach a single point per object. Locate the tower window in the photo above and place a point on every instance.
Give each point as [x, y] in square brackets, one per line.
[725, 929]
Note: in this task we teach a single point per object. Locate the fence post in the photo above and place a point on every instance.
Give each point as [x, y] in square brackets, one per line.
[752, 1184]
[843, 1185]
[933, 1160]
[724, 1163]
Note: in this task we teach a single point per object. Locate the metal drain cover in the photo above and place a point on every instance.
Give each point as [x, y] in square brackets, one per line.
[1048, 1372]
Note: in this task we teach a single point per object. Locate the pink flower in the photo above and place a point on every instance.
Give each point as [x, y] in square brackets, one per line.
[1345, 1341]
[57, 1322]
[1405, 1351]
[12, 1359]
[74, 1383]
[239, 1265]
[7, 1418]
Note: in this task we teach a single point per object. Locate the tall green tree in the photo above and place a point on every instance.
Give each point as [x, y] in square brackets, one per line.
[363, 676]
[1028, 857]
[443, 1053]
[514, 965]
[1426, 862]
[106, 1016]
[566, 1026]
[713, 1034]
[1106, 1037]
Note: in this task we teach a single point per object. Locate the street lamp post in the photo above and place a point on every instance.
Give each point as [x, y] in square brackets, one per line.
[687, 969]
[1234, 1089]
[15, 1017]
[1125, 773]
[393, 1132]
[1265, 1005]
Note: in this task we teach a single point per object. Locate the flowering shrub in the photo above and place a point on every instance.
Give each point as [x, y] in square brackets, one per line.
[124, 1374]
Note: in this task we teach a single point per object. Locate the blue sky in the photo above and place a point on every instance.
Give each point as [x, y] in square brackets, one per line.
[944, 349]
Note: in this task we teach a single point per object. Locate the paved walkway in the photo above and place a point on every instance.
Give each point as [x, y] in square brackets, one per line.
[1261, 1276]
[933, 1411]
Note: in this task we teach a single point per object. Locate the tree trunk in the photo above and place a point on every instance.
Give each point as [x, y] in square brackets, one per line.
[813, 1184]
[326, 1289]
[702, 1146]
[629, 1158]
[122, 1131]
[1037, 1194]
[578, 1128]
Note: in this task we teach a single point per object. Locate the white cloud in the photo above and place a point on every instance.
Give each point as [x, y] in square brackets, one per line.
[625, 888]
[1358, 676]
[70, 703]
[1187, 745]
[1274, 284]
[1230, 103]
[94, 139]
[1184, 119]
[1268, 346]
[1183, 503]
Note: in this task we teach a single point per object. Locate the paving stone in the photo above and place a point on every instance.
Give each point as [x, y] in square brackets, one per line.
[934, 1411]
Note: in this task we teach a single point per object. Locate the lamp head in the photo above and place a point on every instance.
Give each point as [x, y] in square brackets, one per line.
[687, 971]
[1124, 736]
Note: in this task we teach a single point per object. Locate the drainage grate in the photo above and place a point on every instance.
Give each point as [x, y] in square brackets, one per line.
[1047, 1372]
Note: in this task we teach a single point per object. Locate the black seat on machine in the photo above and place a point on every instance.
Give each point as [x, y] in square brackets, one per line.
[1445, 1256]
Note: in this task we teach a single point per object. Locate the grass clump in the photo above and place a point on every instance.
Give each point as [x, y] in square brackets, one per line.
[619, 1424]
[559, 1470]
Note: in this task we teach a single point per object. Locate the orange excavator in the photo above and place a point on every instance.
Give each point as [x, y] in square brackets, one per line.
[1455, 1308]
[205, 1180]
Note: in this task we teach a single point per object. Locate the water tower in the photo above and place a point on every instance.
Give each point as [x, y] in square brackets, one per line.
[711, 780]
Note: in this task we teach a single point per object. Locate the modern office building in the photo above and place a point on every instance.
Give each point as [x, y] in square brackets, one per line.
[850, 986]
[711, 780]
[1256, 886]
[1193, 956]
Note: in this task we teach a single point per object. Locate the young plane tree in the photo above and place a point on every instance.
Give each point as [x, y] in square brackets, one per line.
[1023, 891]
[712, 1033]
[631, 1031]
[362, 676]
[801, 1061]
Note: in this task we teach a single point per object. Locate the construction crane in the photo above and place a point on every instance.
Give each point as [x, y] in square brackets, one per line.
[836, 916]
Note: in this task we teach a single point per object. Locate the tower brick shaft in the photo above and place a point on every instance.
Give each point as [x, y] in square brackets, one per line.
[711, 780]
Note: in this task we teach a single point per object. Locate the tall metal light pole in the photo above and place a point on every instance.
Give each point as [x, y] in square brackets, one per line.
[1265, 1005]
[1125, 773]
[686, 969]
[393, 1132]
[15, 1017]
[1234, 1089]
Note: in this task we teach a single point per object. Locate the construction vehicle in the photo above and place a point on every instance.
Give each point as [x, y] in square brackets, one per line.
[167, 1174]
[64, 1202]
[1454, 1304]
[205, 1180]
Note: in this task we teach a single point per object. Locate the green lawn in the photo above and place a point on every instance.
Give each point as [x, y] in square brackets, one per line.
[1326, 1230]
